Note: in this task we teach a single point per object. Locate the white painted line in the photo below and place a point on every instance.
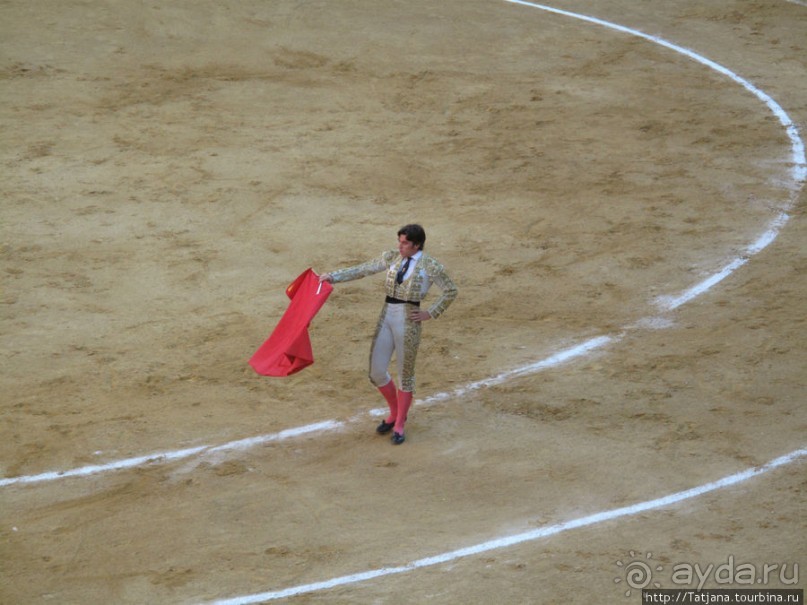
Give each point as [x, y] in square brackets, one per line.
[327, 425]
[766, 238]
[797, 154]
[799, 170]
[165, 457]
[669, 303]
[99, 468]
[799, 173]
[528, 536]
[250, 442]
[799, 164]
[550, 362]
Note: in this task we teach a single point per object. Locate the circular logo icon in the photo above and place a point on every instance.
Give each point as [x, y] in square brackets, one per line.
[638, 572]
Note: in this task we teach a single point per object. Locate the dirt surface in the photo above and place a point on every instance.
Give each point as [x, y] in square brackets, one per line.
[169, 167]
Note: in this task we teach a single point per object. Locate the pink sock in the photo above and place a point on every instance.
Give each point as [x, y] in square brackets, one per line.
[390, 394]
[404, 403]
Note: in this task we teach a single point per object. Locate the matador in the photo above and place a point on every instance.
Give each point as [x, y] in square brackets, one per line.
[410, 272]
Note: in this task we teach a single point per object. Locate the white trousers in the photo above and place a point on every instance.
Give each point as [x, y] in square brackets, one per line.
[401, 336]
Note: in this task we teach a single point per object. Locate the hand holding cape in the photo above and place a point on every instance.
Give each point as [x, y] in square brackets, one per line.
[288, 348]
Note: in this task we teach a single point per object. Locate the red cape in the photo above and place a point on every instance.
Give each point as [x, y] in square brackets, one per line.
[288, 348]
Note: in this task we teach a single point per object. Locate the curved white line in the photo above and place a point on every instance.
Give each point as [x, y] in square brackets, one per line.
[798, 171]
[799, 167]
[552, 361]
[798, 162]
[528, 536]
[668, 303]
[327, 425]
[164, 457]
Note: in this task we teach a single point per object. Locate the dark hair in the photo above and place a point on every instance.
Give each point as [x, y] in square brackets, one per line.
[415, 234]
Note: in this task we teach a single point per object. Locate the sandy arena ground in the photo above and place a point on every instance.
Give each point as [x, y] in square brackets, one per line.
[170, 166]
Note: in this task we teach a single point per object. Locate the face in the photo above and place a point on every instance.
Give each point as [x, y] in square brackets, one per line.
[405, 247]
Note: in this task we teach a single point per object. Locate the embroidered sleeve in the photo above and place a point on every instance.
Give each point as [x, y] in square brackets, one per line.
[438, 275]
[363, 270]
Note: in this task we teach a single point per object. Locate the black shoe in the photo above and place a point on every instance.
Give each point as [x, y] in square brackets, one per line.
[384, 428]
[398, 438]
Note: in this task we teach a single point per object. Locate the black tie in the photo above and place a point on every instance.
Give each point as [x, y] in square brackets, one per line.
[402, 271]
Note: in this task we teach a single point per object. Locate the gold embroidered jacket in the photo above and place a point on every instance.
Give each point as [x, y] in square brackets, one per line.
[426, 269]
